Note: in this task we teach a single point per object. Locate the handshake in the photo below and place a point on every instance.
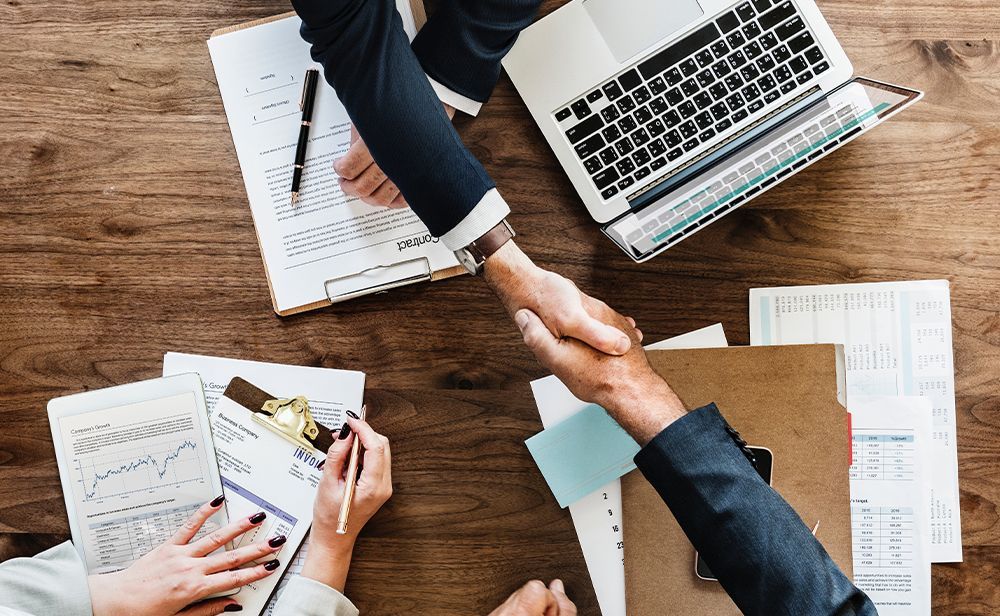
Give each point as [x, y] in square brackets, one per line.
[595, 351]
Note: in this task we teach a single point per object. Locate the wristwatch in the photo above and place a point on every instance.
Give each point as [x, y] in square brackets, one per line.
[474, 256]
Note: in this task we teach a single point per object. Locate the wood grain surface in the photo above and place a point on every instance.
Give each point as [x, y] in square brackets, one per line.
[125, 233]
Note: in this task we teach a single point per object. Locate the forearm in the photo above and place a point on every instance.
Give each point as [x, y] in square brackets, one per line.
[754, 542]
[367, 59]
[330, 564]
[462, 43]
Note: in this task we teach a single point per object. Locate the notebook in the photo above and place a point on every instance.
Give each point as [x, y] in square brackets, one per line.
[327, 247]
[788, 399]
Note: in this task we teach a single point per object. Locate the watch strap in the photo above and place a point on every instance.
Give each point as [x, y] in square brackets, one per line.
[491, 241]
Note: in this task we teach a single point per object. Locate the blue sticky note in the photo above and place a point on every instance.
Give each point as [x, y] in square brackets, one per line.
[582, 453]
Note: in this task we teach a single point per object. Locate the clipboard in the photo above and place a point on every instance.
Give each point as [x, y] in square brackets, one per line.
[380, 277]
[289, 418]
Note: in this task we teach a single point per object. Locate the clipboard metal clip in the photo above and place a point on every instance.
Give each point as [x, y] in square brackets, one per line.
[373, 279]
[291, 419]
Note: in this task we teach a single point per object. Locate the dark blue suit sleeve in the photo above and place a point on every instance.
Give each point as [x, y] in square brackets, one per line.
[751, 539]
[462, 43]
[367, 59]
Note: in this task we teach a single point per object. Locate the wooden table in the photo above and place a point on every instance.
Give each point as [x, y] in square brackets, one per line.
[125, 233]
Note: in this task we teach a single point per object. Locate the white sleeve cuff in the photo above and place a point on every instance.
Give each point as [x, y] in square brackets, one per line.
[487, 214]
[456, 100]
[307, 597]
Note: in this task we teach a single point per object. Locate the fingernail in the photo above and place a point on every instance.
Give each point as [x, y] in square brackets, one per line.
[623, 345]
[218, 500]
[271, 565]
[319, 466]
[557, 585]
[353, 415]
[276, 541]
[258, 517]
[344, 432]
[233, 607]
[521, 318]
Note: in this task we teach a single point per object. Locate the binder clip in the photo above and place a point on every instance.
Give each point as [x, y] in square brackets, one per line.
[292, 419]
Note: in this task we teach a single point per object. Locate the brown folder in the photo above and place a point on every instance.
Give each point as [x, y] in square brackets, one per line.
[785, 398]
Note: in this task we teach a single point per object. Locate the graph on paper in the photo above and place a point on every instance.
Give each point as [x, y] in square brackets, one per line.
[140, 469]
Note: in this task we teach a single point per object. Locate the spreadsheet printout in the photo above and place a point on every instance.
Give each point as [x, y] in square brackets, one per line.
[897, 341]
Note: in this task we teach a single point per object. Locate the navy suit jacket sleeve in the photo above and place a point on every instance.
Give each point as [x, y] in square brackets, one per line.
[752, 540]
[367, 59]
[462, 43]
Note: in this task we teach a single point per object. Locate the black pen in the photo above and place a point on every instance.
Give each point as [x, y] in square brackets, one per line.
[306, 105]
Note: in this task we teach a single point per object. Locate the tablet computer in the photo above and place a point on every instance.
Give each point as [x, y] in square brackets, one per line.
[135, 461]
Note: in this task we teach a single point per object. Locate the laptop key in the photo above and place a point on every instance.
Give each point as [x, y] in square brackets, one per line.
[786, 30]
[800, 42]
[641, 157]
[641, 94]
[624, 146]
[735, 39]
[787, 87]
[687, 109]
[562, 114]
[672, 118]
[656, 128]
[803, 78]
[611, 133]
[775, 16]
[702, 100]
[719, 49]
[609, 192]
[595, 95]
[675, 154]
[658, 105]
[798, 64]
[626, 103]
[640, 136]
[625, 183]
[750, 92]
[706, 135]
[673, 139]
[734, 82]
[690, 144]
[739, 116]
[673, 77]
[688, 129]
[625, 166]
[612, 90]
[755, 106]
[728, 22]
[745, 11]
[658, 163]
[721, 69]
[781, 54]
[589, 146]
[643, 115]
[610, 113]
[674, 96]
[705, 78]
[657, 86]
[761, 5]
[822, 66]
[771, 96]
[719, 111]
[688, 67]
[627, 124]
[605, 178]
[608, 155]
[723, 125]
[768, 41]
[641, 173]
[751, 31]
[593, 164]
[677, 51]
[735, 101]
[737, 59]
[629, 80]
[814, 55]
[656, 147]
[703, 119]
[749, 73]
[718, 91]
[581, 109]
[704, 58]
[577, 133]
[782, 74]
[753, 50]
[765, 63]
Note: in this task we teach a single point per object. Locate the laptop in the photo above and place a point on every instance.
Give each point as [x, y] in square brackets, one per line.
[668, 114]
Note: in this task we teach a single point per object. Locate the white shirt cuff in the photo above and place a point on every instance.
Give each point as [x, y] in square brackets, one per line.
[487, 214]
[450, 97]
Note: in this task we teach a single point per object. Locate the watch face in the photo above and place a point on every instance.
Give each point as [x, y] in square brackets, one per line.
[467, 261]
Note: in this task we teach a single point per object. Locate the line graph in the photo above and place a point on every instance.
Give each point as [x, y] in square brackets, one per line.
[140, 469]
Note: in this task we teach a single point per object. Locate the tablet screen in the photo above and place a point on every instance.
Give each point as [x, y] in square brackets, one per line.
[136, 472]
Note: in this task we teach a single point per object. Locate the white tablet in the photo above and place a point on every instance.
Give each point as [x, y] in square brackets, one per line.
[135, 462]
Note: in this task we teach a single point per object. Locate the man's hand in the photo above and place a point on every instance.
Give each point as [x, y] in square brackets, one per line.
[626, 386]
[534, 599]
[565, 310]
[361, 177]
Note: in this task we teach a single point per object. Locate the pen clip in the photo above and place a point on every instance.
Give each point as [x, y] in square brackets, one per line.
[305, 85]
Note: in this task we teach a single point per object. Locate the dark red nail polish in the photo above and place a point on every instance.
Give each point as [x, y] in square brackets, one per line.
[344, 432]
[233, 607]
[271, 565]
[319, 466]
[276, 541]
[353, 415]
[257, 518]
[217, 500]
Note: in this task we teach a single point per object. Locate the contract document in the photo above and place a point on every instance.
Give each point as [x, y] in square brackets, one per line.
[897, 340]
[326, 246]
[598, 516]
[890, 502]
[330, 393]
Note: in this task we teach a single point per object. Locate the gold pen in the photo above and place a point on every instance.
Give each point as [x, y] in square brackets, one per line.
[352, 479]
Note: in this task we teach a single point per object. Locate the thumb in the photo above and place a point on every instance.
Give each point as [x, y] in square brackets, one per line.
[603, 337]
[538, 337]
[211, 607]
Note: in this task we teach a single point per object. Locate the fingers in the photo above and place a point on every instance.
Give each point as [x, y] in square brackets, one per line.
[221, 537]
[211, 607]
[603, 337]
[566, 607]
[535, 598]
[378, 459]
[365, 183]
[234, 559]
[231, 580]
[193, 524]
[355, 161]
[338, 454]
[538, 337]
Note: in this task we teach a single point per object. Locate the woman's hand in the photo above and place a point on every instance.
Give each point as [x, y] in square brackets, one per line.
[329, 555]
[534, 599]
[177, 574]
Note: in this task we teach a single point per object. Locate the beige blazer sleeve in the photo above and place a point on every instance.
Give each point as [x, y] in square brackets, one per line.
[306, 597]
[53, 582]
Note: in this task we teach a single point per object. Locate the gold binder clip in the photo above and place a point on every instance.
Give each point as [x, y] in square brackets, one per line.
[291, 419]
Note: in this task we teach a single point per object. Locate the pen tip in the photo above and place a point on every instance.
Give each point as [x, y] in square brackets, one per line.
[295, 198]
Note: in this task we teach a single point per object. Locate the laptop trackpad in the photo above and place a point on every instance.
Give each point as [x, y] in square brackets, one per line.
[630, 26]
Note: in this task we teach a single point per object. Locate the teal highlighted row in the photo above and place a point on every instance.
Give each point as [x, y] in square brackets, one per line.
[686, 220]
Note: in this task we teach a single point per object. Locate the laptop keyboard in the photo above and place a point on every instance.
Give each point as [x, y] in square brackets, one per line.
[685, 95]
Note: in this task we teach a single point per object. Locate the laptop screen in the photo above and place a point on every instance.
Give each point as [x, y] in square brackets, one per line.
[818, 129]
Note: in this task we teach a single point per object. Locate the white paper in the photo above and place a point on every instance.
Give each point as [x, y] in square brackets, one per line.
[897, 339]
[326, 235]
[890, 502]
[330, 394]
[598, 516]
